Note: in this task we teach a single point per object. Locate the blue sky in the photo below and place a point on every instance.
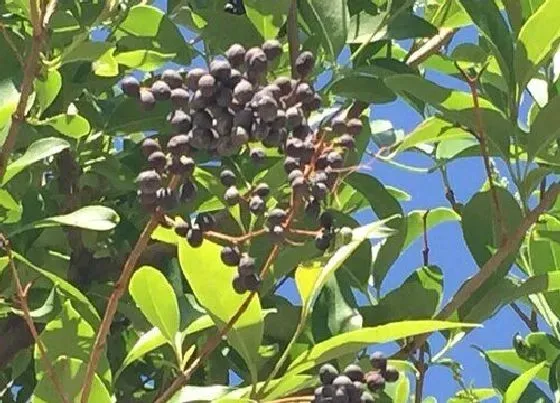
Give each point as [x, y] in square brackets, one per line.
[447, 247]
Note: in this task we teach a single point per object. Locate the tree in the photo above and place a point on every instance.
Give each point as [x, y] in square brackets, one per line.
[165, 169]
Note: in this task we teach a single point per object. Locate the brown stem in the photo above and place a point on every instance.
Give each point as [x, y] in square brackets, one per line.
[431, 46]
[292, 31]
[303, 232]
[421, 368]
[426, 250]
[211, 344]
[22, 299]
[120, 288]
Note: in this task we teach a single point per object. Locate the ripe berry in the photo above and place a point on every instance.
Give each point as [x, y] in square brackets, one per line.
[326, 219]
[335, 160]
[161, 90]
[243, 91]
[157, 161]
[313, 208]
[312, 104]
[238, 285]
[327, 374]
[252, 281]
[304, 92]
[272, 48]
[296, 173]
[294, 147]
[378, 361]
[267, 108]
[354, 372]
[347, 141]
[375, 381]
[167, 199]
[205, 221]
[304, 64]
[232, 196]
[257, 205]
[148, 181]
[147, 200]
[276, 216]
[367, 398]
[341, 381]
[355, 126]
[285, 85]
[224, 97]
[323, 241]
[299, 186]
[236, 55]
[338, 125]
[321, 162]
[178, 145]
[257, 155]
[391, 374]
[340, 396]
[230, 256]
[147, 100]
[181, 165]
[255, 60]
[220, 69]
[149, 146]
[262, 189]
[130, 87]
[276, 234]
[182, 228]
[195, 236]
[179, 97]
[206, 85]
[172, 78]
[197, 101]
[181, 122]
[319, 190]
[202, 119]
[227, 178]
[290, 164]
[188, 191]
[193, 76]
[247, 265]
[294, 117]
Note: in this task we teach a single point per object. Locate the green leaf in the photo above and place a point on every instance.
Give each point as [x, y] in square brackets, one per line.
[518, 386]
[38, 150]
[144, 60]
[13, 209]
[127, 117]
[510, 359]
[330, 20]
[415, 222]
[142, 20]
[200, 394]
[267, 16]
[408, 25]
[479, 394]
[47, 88]
[531, 53]
[545, 129]
[154, 296]
[206, 273]
[86, 51]
[70, 373]
[74, 126]
[9, 97]
[424, 287]
[95, 218]
[147, 342]
[71, 336]
[554, 378]
[311, 276]
[352, 342]
[364, 88]
[433, 130]
[457, 107]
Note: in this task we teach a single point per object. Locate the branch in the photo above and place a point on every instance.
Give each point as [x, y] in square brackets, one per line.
[526, 319]
[21, 293]
[120, 288]
[432, 45]
[292, 31]
[473, 284]
[18, 117]
[421, 368]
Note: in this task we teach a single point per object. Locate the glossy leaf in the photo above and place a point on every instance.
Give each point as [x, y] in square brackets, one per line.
[156, 299]
[40, 149]
[201, 264]
[145, 60]
[554, 378]
[142, 20]
[267, 17]
[147, 342]
[9, 99]
[95, 218]
[47, 89]
[364, 88]
[519, 385]
[74, 126]
[351, 342]
[545, 129]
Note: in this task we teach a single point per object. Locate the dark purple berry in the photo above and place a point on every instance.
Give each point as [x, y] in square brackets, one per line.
[130, 87]
[230, 256]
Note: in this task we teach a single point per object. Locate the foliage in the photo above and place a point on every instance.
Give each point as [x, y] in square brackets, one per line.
[110, 291]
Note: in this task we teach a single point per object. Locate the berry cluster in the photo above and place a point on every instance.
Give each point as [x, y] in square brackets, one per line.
[235, 7]
[232, 108]
[350, 385]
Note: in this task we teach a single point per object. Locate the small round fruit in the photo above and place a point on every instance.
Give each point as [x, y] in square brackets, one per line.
[304, 64]
[205, 221]
[181, 165]
[227, 178]
[247, 265]
[335, 160]
[354, 372]
[238, 285]
[299, 186]
[149, 146]
[313, 209]
[326, 219]
[232, 196]
[243, 91]
[257, 205]
[147, 100]
[341, 381]
[161, 90]
[367, 398]
[257, 155]
[148, 181]
[347, 141]
[319, 190]
[338, 125]
[193, 77]
[167, 199]
[220, 69]
[195, 236]
[172, 78]
[181, 122]
[355, 126]
[375, 381]
[157, 161]
[327, 374]
[230, 256]
[340, 396]
[178, 145]
[236, 55]
[267, 108]
[391, 374]
[252, 281]
[296, 173]
[179, 97]
[262, 189]
[294, 117]
[130, 86]
[276, 216]
[378, 361]
[304, 92]
[207, 85]
[272, 48]
[346, 235]
[291, 164]
[182, 228]
[188, 191]
[255, 60]
[285, 85]
[322, 241]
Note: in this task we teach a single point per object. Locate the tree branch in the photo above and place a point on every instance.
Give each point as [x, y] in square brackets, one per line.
[292, 31]
[432, 45]
[120, 288]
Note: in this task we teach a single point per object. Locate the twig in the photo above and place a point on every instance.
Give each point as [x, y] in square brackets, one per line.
[526, 319]
[421, 368]
[212, 343]
[292, 31]
[294, 399]
[473, 284]
[481, 137]
[11, 44]
[426, 250]
[21, 293]
[433, 45]
[119, 290]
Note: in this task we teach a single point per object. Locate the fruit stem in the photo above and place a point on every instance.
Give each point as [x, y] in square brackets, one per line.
[292, 31]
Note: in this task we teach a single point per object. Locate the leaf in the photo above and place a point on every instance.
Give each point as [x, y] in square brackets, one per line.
[311, 276]
[71, 336]
[147, 342]
[74, 126]
[154, 296]
[424, 287]
[554, 378]
[86, 51]
[127, 117]
[408, 25]
[200, 394]
[13, 209]
[95, 218]
[415, 222]
[267, 16]
[9, 98]
[351, 342]
[70, 373]
[433, 130]
[530, 53]
[144, 60]
[518, 386]
[479, 394]
[47, 88]
[38, 150]
[330, 20]
[457, 107]
[364, 88]
[510, 359]
[142, 20]
[545, 129]
[206, 273]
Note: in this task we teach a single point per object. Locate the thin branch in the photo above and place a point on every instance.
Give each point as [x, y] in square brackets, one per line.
[433, 45]
[292, 31]
[426, 250]
[21, 293]
[120, 288]
[11, 44]
[473, 284]
[212, 343]
[421, 368]
[294, 399]
[526, 319]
